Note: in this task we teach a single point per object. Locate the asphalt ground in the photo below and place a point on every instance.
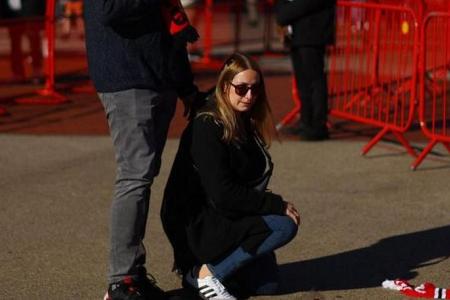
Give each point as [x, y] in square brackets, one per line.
[364, 219]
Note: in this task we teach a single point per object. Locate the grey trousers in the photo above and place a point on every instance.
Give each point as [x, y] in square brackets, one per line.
[138, 121]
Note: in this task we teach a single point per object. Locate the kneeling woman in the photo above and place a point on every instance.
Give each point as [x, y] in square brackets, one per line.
[220, 218]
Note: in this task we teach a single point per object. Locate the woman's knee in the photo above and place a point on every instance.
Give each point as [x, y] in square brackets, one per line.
[282, 224]
[290, 228]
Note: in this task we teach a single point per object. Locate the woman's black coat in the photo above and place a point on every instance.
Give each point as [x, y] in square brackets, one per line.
[208, 208]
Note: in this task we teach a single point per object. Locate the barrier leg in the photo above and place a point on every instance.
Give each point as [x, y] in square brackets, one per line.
[48, 95]
[374, 141]
[423, 154]
[405, 143]
[295, 111]
[288, 118]
[206, 61]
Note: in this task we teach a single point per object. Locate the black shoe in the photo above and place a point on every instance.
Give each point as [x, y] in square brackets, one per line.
[125, 289]
[143, 288]
[151, 290]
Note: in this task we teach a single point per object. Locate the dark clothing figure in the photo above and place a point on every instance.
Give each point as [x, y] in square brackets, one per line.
[213, 215]
[204, 166]
[129, 46]
[313, 28]
[138, 71]
[27, 20]
[220, 218]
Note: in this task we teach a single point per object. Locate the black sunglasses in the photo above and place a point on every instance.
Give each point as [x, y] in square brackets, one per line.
[242, 89]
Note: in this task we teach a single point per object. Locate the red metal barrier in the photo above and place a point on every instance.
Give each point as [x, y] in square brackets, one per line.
[236, 33]
[48, 94]
[293, 114]
[434, 108]
[206, 60]
[373, 72]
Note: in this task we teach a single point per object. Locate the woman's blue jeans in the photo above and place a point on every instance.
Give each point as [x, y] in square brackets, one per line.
[264, 272]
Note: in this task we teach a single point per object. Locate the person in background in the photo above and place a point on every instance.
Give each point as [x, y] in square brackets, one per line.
[72, 18]
[313, 28]
[138, 63]
[26, 20]
[252, 12]
[222, 221]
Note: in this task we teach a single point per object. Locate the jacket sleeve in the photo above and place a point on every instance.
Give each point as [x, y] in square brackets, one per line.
[118, 11]
[288, 11]
[211, 157]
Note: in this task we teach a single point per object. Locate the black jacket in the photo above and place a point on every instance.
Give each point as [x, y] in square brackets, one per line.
[208, 208]
[312, 21]
[129, 46]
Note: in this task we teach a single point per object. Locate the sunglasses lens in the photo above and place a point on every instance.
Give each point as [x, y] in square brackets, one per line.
[242, 89]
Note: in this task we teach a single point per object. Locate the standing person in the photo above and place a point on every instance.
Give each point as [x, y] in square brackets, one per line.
[71, 21]
[220, 218]
[138, 63]
[27, 20]
[313, 28]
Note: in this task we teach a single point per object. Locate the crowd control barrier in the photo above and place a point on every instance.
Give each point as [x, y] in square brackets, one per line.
[41, 35]
[373, 71]
[238, 31]
[293, 114]
[434, 108]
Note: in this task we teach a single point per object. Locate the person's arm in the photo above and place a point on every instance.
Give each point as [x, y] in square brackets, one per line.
[288, 11]
[118, 11]
[211, 157]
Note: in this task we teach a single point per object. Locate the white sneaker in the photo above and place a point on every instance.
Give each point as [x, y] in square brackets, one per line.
[209, 287]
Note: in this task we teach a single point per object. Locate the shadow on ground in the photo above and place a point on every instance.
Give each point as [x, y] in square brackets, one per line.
[391, 258]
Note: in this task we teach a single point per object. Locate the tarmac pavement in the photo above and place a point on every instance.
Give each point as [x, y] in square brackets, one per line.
[364, 219]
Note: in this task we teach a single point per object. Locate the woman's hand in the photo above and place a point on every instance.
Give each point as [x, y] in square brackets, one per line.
[292, 213]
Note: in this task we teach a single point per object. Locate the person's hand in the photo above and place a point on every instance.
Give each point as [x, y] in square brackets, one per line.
[292, 213]
[284, 35]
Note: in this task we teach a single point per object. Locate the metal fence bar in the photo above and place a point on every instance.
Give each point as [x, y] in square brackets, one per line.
[434, 103]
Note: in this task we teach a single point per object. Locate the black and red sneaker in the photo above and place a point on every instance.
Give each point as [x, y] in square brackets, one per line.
[134, 289]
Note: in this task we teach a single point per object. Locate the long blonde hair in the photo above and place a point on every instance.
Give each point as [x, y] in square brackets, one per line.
[260, 115]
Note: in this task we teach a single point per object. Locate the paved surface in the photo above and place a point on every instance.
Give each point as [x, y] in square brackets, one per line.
[364, 219]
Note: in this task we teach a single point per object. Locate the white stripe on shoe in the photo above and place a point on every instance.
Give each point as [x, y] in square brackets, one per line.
[210, 288]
